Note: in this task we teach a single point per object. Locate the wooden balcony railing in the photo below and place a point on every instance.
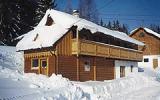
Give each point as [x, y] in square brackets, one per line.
[86, 47]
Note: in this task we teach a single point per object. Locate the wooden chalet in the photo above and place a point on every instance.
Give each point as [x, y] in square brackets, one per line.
[78, 49]
[151, 50]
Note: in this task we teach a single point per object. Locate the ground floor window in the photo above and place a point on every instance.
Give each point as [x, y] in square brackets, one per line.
[146, 60]
[131, 68]
[35, 63]
[122, 71]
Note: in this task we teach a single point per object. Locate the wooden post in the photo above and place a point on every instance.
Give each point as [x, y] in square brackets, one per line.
[77, 38]
[94, 68]
[56, 57]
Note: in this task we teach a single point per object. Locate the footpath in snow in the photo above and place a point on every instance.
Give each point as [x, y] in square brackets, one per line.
[15, 85]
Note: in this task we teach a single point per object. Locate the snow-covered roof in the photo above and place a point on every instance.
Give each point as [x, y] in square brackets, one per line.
[147, 30]
[47, 35]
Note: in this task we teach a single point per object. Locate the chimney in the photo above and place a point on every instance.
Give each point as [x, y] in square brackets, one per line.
[75, 13]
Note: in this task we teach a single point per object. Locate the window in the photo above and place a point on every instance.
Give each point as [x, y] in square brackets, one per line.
[35, 63]
[49, 21]
[87, 65]
[141, 34]
[146, 60]
[44, 63]
[122, 71]
[131, 68]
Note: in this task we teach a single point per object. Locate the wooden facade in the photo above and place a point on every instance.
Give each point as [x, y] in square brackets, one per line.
[80, 59]
[152, 43]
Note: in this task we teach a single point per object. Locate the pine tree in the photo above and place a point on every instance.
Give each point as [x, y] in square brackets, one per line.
[9, 20]
[117, 25]
[109, 26]
[125, 29]
[101, 22]
[155, 28]
[43, 6]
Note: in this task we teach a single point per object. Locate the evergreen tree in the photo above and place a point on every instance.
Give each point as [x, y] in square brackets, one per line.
[125, 29]
[9, 20]
[155, 28]
[101, 22]
[117, 25]
[43, 6]
[109, 26]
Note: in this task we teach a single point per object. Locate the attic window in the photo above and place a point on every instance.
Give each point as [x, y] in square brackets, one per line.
[35, 37]
[49, 21]
[141, 34]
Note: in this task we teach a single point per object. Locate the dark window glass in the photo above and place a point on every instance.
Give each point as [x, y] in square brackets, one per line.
[141, 34]
[44, 63]
[146, 60]
[35, 63]
[131, 68]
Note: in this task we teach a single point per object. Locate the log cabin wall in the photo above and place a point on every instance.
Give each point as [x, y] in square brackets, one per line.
[64, 46]
[66, 62]
[67, 66]
[27, 66]
[104, 69]
[39, 54]
[85, 73]
[152, 42]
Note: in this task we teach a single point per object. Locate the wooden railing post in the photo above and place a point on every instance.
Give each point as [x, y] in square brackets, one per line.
[95, 68]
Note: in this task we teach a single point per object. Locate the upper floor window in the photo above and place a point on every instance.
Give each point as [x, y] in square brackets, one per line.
[141, 34]
[49, 21]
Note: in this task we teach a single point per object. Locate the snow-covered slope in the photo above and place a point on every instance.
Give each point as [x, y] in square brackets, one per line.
[11, 59]
[17, 86]
[45, 36]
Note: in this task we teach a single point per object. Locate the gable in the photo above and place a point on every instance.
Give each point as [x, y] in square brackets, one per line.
[146, 31]
[151, 41]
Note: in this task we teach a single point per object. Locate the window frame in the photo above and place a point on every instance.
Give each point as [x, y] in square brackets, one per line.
[87, 67]
[144, 60]
[33, 67]
[41, 62]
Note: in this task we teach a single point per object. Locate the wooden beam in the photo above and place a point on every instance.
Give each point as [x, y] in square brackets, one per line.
[77, 38]
[95, 69]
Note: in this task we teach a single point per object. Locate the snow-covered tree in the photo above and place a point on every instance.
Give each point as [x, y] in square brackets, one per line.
[43, 5]
[15, 19]
[9, 20]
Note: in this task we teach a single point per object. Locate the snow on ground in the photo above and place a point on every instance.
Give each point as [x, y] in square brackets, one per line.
[15, 85]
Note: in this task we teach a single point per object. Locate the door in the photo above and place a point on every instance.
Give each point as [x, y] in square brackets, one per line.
[44, 66]
[122, 71]
[155, 63]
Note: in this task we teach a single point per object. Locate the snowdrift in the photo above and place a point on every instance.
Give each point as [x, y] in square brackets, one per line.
[30, 86]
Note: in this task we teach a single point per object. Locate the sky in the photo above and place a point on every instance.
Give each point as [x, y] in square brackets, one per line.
[134, 13]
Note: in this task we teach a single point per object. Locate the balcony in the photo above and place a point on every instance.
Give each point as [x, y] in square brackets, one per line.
[86, 47]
